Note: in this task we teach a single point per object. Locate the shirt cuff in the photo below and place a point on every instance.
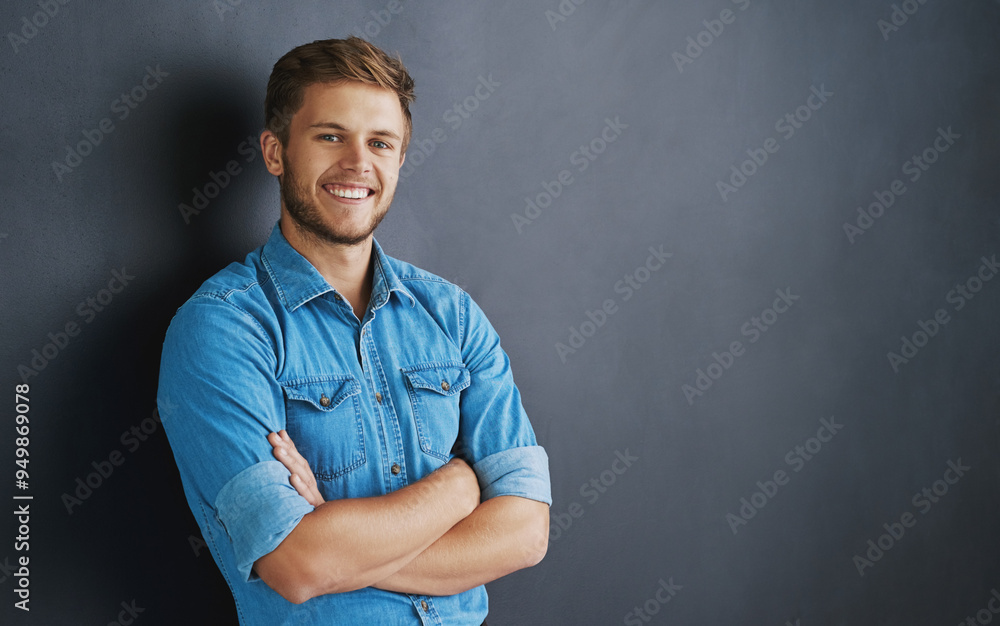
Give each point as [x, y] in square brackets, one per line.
[258, 508]
[520, 472]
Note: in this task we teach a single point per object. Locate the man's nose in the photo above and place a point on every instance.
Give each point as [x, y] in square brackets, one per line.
[355, 157]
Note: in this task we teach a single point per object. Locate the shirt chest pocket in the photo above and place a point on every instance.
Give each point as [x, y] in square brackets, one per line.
[323, 418]
[435, 390]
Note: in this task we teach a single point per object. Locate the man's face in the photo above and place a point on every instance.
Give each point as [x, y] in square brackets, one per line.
[339, 169]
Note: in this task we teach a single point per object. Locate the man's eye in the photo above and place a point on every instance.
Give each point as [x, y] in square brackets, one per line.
[380, 144]
[329, 138]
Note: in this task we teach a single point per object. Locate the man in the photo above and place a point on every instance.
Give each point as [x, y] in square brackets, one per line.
[346, 426]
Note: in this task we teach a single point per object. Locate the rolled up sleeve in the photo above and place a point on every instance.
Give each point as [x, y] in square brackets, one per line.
[520, 472]
[258, 508]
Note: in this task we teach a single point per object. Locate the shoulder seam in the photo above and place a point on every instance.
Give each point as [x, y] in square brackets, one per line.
[224, 299]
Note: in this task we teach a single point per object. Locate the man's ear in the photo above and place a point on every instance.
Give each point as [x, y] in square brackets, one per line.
[270, 147]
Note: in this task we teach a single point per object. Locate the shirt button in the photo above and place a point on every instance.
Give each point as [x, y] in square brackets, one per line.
[378, 397]
[395, 469]
[324, 400]
[445, 385]
[337, 297]
[423, 605]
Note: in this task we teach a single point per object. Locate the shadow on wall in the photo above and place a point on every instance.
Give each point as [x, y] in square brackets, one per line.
[142, 538]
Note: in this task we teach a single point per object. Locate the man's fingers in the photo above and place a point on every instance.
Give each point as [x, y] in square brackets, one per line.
[290, 458]
[283, 436]
[302, 478]
[294, 460]
[283, 444]
[307, 491]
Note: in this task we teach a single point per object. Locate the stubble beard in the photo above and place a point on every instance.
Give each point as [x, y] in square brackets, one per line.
[308, 218]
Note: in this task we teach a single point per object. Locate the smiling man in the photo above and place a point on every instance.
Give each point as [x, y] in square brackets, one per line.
[346, 427]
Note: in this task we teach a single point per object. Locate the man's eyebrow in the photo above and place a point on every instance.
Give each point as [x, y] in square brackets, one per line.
[385, 133]
[335, 126]
[332, 125]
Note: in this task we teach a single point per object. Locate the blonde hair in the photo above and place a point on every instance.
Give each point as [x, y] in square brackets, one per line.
[332, 61]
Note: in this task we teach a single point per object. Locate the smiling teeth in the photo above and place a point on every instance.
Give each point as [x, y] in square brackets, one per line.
[354, 194]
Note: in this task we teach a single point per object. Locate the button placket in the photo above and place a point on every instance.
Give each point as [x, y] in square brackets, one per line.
[384, 413]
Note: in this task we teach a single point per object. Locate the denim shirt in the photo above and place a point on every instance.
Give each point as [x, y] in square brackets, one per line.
[373, 405]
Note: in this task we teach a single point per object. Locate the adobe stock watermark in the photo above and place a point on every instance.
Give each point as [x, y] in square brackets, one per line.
[202, 196]
[899, 16]
[985, 615]
[582, 158]
[796, 458]
[86, 309]
[222, 7]
[420, 150]
[31, 28]
[123, 106]
[372, 25]
[128, 615]
[196, 543]
[22, 576]
[565, 9]
[703, 39]
[665, 592]
[132, 439]
[754, 328]
[6, 570]
[247, 151]
[924, 500]
[560, 523]
[381, 18]
[914, 169]
[958, 297]
[627, 286]
[787, 125]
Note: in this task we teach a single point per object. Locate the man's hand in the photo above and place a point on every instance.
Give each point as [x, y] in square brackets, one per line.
[304, 480]
[302, 477]
[350, 543]
[500, 536]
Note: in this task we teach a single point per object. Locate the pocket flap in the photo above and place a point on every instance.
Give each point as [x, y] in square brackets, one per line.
[325, 393]
[446, 380]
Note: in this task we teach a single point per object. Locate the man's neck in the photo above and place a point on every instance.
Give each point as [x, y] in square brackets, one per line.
[348, 269]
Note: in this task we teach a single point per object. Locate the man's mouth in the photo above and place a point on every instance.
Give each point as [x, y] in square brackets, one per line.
[350, 192]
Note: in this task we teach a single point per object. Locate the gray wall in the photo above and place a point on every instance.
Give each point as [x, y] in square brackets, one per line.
[699, 515]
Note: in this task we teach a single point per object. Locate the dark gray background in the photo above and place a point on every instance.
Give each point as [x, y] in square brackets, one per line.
[664, 517]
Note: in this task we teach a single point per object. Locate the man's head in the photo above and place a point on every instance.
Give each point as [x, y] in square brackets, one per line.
[332, 61]
[337, 128]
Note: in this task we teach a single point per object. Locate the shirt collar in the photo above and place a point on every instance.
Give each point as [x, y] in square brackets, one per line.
[297, 281]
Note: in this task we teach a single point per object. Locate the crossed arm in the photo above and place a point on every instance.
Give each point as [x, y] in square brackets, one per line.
[432, 537]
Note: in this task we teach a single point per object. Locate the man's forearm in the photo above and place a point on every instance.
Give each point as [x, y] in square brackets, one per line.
[504, 534]
[353, 543]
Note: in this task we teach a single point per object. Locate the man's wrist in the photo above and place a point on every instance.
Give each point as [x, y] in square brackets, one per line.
[462, 484]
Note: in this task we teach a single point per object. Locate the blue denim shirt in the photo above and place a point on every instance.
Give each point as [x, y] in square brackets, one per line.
[372, 405]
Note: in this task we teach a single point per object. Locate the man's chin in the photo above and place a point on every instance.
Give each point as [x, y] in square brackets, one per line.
[323, 233]
[327, 221]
